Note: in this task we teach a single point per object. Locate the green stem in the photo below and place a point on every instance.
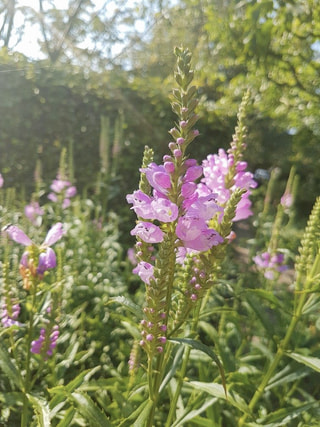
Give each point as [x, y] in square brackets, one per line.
[183, 370]
[27, 383]
[155, 381]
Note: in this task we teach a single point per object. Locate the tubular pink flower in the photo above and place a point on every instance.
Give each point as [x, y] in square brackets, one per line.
[33, 211]
[164, 210]
[148, 232]
[47, 260]
[141, 204]
[287, 200]
[53, 197]
[192, 173]
[207, 238]
[188, 189]
[190, 227]
[158, 177]
[205, 207]
[71, 191]
[145, 271]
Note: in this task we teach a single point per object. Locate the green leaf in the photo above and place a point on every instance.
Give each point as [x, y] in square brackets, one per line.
[312, 362]
[67, 418]
[191, 415]
[173, 368]
[140, 421]
[130, 305]
[41, 409]
[62, 392]
[12, 398]
[217, 390]
[201, 422]
[8, 366]
[197, 345]
[284, 416]
[141, 412]
[287, 375]
[266, 295]
[89, 410]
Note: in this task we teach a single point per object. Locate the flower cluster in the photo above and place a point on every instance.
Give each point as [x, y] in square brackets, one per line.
[9, 314]
[180, 206]
[216, 169]
[45, 344]
[271, 264]
[62, 190]
[1, 181]
[191, 213]
[36, 260]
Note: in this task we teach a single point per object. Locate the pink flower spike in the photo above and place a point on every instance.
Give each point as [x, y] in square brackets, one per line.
[54, 234]
[1, 181]
[16, 234]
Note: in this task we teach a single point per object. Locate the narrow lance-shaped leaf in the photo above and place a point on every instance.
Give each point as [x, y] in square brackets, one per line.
[41, 409]
[197, 345]
[312, 362]
[89, 410]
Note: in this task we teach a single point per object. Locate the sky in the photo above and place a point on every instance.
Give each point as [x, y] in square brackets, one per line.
[28, 44]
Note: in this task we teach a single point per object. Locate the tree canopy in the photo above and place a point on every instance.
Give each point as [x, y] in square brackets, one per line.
[115, 58]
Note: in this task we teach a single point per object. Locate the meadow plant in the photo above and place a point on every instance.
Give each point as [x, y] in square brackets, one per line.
[185, 216]
[62, 190]
[21, 334]
[195, 336]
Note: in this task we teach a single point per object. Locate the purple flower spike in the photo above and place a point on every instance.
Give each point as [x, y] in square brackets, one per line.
[16, 234]
[1, 181]
[54, 234]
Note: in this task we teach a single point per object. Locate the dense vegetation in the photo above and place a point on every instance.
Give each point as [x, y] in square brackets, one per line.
[242, 309]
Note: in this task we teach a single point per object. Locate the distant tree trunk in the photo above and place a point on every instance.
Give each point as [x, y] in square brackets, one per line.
[7, 25]
[54, 51]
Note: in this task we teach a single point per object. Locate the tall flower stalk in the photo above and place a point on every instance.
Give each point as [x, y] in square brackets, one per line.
[34, 264]
[185, 214]
[307, 281]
